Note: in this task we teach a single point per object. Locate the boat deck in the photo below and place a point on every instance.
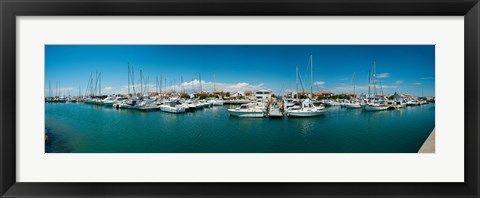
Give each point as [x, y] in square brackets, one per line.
[275, 113]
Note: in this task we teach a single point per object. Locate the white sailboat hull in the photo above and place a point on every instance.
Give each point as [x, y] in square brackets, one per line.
[301, 113]
[353, 106]
[218, 103]
[172, 109]
[375, 108]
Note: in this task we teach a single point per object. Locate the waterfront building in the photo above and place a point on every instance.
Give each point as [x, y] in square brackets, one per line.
[263, 94]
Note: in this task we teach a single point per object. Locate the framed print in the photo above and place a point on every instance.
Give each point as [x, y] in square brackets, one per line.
[255, 98]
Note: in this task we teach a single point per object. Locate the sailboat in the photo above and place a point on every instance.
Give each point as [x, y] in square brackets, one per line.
[353, 104]
[306, 109]
[375, 106]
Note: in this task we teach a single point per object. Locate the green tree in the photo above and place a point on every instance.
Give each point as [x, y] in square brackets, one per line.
[203, 95]
[186, 96]
[320, 97]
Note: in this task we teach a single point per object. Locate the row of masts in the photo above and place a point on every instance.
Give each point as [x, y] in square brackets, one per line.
[58, 91]
[354, 81]
[94, 88]
[160, 84]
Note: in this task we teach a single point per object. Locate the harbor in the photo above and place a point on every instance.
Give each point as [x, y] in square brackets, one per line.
[292, 104]
[83, 128]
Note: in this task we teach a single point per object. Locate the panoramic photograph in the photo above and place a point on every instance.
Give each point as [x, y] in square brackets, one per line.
[239, 98]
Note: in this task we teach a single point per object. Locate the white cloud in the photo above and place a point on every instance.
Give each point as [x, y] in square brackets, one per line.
[108, 88]
[383, 75]
[363, 89]
[399, 82]
[238, 85]
[189, 86]
[319, 83]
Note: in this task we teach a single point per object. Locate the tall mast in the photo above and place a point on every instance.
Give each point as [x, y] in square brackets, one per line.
[354, 82]
[296, 78]
[96, 82]
[133, 81]
[79, 90]
[174, 84]
[141, 85]
[91, 85]
[311, 76]
[374, 78]
[100, 84]
[128, 83]
[49, 88]
[369, 84]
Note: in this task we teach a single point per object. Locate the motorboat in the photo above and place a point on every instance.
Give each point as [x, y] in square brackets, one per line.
[353, 105]
[172, 107]
[249, 110]
[412, 103]
[218, 102]
[307, 109]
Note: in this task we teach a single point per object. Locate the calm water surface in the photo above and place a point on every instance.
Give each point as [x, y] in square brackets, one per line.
[83, 128]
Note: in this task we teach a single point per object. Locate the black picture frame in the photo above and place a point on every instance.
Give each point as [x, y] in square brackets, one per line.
[9, 9]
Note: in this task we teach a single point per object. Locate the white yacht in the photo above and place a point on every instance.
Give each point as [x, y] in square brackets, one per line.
[249, 110]
[412, 103]
[172, 107]
[307, 109]
[218, 102]
[353, 105]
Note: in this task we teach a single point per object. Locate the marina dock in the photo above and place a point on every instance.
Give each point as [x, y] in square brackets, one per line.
[275, 113]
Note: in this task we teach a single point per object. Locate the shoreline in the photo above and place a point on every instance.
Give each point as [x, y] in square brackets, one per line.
[429, 144]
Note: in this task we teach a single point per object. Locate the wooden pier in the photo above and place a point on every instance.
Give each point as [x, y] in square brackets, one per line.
[274, 113]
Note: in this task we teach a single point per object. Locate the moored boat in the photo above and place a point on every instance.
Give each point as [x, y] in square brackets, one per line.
[249, 110]
[354, 105]
[307, 109]
[375, 107]
[172, 107]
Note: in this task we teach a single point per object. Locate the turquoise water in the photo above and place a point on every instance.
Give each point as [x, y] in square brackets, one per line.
[83, 128]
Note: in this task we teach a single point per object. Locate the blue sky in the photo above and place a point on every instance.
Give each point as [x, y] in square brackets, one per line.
[400, 68]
